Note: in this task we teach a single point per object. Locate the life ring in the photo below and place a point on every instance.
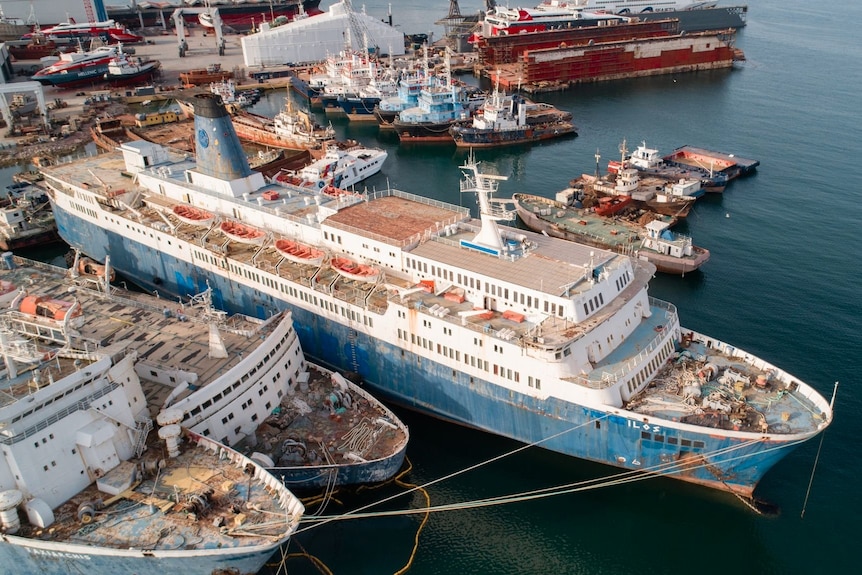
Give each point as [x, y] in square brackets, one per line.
[321, 184]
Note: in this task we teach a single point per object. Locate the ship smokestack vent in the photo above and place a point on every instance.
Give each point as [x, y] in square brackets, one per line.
[217, 147]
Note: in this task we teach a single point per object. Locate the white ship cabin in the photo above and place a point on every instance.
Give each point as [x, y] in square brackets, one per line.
[41, 408]
[525, 311]
[645, 158]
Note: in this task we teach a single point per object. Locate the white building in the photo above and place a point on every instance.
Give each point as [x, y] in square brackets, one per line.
[312, 39]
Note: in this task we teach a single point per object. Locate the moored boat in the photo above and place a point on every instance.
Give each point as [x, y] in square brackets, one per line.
[441, 104]
[26, 219]
[610, 205]
[505, 120]
[341, 167]
[581, 376]
[90, 368]
[651, 241]
[656, 194]
[649, 162]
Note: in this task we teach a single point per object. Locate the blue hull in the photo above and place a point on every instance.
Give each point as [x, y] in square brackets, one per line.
[89, 75]
[397, 375]
[299, 478]
[358, 106]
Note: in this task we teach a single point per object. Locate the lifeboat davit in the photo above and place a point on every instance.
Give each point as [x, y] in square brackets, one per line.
[193, 216]
[242, 233]
[299, 253]
[354, 271]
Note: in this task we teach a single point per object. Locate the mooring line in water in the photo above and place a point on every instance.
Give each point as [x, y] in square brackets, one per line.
[589, 484]
[817, 457]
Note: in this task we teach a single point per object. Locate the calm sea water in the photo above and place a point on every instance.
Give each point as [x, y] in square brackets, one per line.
[782, 283]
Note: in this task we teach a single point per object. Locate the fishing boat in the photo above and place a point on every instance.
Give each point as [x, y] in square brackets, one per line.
[125, 70]
[203, 76]
[410, 85]
[193, 216]
[656, 194]
[78, 68]
[652, 240]
[89, 370]
[441, 104]
[538, 339]
[341, 167]
[512, 119]
[299, 252]
[649, 162]
[242, 233]
[108, 31]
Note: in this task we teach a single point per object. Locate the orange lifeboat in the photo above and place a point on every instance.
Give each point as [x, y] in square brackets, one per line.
[242, 233]
[299, 253]
[55, 309]
[193, 216]
[355, 271]
[89, 267]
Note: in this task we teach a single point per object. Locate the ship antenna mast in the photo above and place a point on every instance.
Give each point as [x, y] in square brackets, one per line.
[598, 157]
[623, 152]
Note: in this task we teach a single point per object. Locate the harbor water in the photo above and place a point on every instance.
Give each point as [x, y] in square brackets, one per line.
[781, 283]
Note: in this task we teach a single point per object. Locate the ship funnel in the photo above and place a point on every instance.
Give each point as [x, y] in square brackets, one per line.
[219, 153]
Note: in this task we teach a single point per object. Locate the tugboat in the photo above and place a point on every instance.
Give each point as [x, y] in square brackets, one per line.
[441, 104]
[506, 120]
[124, 70]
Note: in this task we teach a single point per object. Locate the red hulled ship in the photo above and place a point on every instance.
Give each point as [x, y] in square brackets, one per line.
[558, 58]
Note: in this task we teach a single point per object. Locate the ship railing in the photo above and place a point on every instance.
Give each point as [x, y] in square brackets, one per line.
[609, 378]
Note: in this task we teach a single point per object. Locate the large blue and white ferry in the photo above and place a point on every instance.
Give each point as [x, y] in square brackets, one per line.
[531, 337]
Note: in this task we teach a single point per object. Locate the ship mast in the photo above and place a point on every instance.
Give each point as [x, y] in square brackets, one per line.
[488, 240]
